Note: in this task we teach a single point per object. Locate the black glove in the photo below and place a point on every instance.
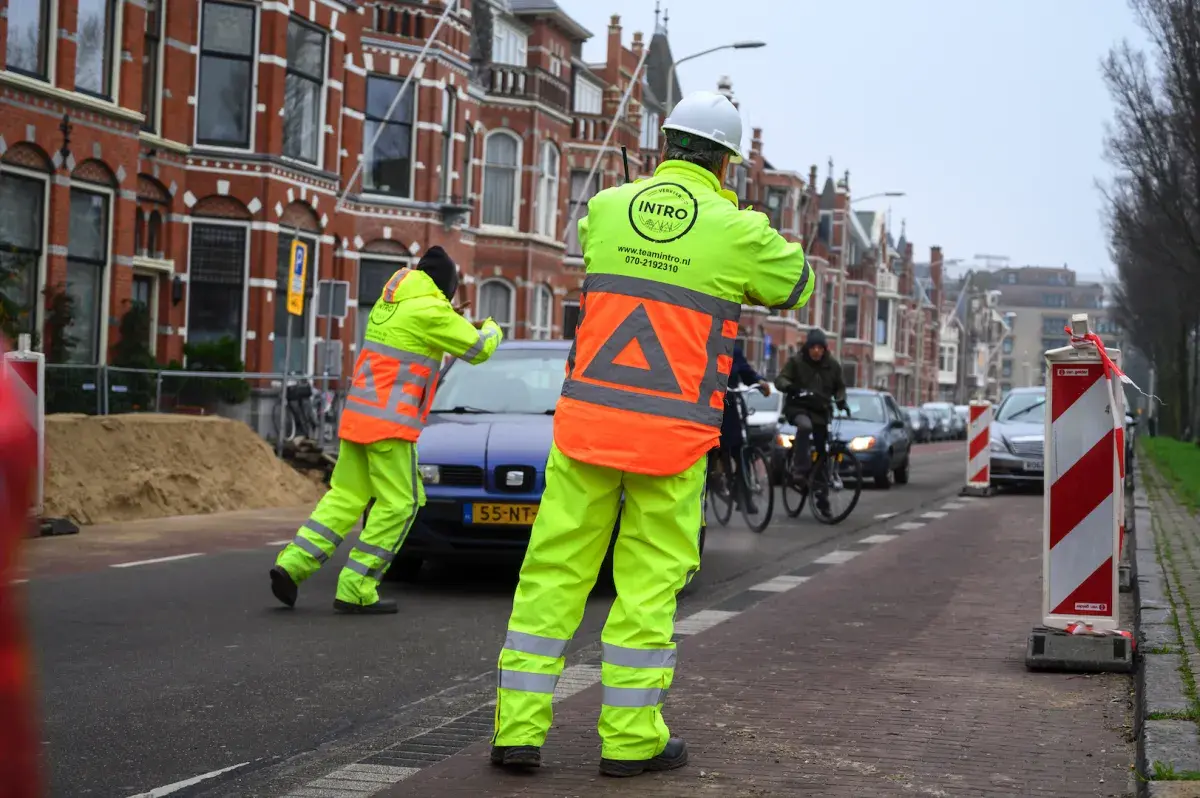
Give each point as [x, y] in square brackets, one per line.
[845, 408]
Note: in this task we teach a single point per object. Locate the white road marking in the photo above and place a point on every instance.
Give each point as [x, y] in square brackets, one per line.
[780, 583]
[701, 621]
[885, 516]
[576, 679]
[280, 542]
[837, 557]
[909, 525]
[18, 581]
[953, 506]
[157, 560]
[157, 792]
[967, 499]
[933, 514]
[878, 539]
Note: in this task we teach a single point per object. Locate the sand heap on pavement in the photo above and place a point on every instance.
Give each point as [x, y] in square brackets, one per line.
[102, 469]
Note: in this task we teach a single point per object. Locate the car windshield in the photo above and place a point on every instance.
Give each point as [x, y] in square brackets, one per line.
[756, 402]
[1023, 407]
[513, 380]
[863, 407]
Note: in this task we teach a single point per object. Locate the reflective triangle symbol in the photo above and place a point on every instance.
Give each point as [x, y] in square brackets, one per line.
[363, 388]
[634, 357]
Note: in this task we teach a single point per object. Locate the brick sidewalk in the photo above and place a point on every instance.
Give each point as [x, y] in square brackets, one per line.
[900, 672]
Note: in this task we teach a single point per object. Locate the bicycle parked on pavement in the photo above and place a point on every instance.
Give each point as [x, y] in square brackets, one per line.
[835, 477]
[749, 486]
[307, 410]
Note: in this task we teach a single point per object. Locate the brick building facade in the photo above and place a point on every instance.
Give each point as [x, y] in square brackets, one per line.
[166, 153]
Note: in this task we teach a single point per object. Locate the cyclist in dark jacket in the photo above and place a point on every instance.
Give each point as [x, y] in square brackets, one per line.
[740, 373]
[811, 369]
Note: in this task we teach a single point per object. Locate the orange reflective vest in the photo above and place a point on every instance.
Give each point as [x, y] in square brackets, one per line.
[651, 363]
[390, 395]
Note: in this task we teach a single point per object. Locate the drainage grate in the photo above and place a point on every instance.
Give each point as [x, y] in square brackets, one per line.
[437, 744]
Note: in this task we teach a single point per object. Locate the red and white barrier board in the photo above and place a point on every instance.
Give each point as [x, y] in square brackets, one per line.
[1083, 491]
[26, 371]
[979, 440]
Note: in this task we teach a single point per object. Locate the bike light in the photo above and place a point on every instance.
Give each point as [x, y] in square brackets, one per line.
[862, 443]
[785, 441]
[431, 474]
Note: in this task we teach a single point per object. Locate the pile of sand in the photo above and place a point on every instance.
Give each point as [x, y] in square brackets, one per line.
[101, 469]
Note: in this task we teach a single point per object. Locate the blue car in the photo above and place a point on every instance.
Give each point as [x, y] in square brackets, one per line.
[483, 456]
[876, 430]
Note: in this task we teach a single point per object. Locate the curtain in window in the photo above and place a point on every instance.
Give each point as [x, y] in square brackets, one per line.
[500, 181]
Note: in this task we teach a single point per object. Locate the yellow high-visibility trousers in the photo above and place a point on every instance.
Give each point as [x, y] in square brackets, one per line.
[656, 554]
[386, 471]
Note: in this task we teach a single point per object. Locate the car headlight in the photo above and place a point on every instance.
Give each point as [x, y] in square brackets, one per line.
[431, 474]
[998, 445]
[862, 443]
[785, 441]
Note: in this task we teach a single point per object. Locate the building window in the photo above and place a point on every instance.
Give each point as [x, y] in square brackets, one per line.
[850, 373]
[1008, 346]
[22, 203]
[850, 317]
[1006, 368]
[94, 46]
[389, 163]
[1054, 325]
[145, 300]
[373, 275]
[776, 199]
[223, 104]
[468, 168]
[577, 207]
[543, 313]
[589, 98]
[448, 109]
[882, 318]
[1053, 343]
[216, 282]
[1054, 300]
[501, 190]
[87, 262]
[302, 92]
[650, 131]
[509, 45]
[547, 210]
[497, 300]
[827, 318]
[28, 42]
[150, 61]
[570, 319]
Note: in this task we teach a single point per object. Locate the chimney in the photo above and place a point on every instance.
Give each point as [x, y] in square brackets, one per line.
[725, 87]
[936, 275]
[756, 145]
[614, 48]
[638, 44]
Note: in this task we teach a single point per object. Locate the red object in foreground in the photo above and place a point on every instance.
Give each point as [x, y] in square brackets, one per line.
[19, 747]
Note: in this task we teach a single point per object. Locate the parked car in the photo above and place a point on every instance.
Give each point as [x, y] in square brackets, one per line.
[943, 416]
[1018, 436]
[766, 413]
[959, 422]
[876, 431]
[483, 455]
[918, 424]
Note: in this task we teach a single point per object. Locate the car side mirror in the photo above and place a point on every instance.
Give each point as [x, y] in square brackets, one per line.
[897, 424]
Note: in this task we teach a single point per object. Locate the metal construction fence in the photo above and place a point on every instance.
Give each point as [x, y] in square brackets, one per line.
[306, 405]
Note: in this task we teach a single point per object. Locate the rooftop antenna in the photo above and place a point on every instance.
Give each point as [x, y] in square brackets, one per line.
[666, 20]
[657, 14]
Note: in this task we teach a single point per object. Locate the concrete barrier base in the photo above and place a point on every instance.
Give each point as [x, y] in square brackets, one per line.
[1055, 650]
[968, 490]
[1125, 577]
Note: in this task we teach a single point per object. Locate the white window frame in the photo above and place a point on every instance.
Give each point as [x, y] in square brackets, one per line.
[650, 130]
[512, 302]
[548, 194]
[187, 308]
[39, 310]
[449, 114]
[356, 303]
[589, 98]
[51, 76]
[253, 104]
[323, 100]
[520, 174]
[506, 34]
[415, 88]
[115, 40]
[156, 277]
[542, 329]
[106, 274]
[156, 128]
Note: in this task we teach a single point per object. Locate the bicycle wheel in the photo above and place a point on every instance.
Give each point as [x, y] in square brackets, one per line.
[757, 490]
[831, 477]
[720, 498]
[794, 494]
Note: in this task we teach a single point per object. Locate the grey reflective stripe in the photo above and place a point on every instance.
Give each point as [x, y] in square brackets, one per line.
[639, 657]
[383, 414]
[714, 381]
[640, 288]
[370, 573]
[794, 297]
[632, 696]
[399, 354]
[374, 551]
[535, 644]
[477, 347]
[641, 403]
[528, 682]
[310, 547]
[313, 525]
[636, 327]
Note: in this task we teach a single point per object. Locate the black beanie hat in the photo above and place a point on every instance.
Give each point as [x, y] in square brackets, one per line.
[815, 337]
[438, 265]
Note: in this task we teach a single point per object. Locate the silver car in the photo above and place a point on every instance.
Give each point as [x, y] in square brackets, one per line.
[1018, 438]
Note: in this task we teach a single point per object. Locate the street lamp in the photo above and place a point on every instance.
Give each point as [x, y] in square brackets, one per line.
[751, 45]
[877, 196]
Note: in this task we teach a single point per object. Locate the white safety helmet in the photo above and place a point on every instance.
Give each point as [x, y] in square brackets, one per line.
[709, 116]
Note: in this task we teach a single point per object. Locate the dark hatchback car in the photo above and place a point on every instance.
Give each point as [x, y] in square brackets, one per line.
[877, 431]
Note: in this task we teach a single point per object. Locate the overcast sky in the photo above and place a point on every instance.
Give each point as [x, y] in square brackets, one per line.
[989, 114]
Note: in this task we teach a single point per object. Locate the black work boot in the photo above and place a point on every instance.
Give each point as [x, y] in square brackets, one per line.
[516, 757]
[675, 755]
[283, 586]
[381, 607]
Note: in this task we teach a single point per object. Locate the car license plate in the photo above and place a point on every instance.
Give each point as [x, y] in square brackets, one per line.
[1034, 465]
[502, 514]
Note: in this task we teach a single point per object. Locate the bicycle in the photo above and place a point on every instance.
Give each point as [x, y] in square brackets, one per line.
[307, 409]
[831, 470]
[751, 477]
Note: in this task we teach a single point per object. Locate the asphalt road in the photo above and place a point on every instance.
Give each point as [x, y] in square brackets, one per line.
[157, 674]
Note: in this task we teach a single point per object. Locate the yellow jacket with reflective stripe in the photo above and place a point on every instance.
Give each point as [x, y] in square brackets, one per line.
[410, 329]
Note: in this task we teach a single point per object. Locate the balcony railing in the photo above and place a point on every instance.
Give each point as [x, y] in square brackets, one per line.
[589, 127]
[527, 83]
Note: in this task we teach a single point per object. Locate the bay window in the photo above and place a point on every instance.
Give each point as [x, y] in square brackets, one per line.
[589, 98]
[389, 163]
[216, 281]
[501, 184]
[509, 45]
[302, 92]
[547, 210]
[87, 266]
[28, 39]
[650, 125]
[94, 46]
[22, 205]
[224, 99]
